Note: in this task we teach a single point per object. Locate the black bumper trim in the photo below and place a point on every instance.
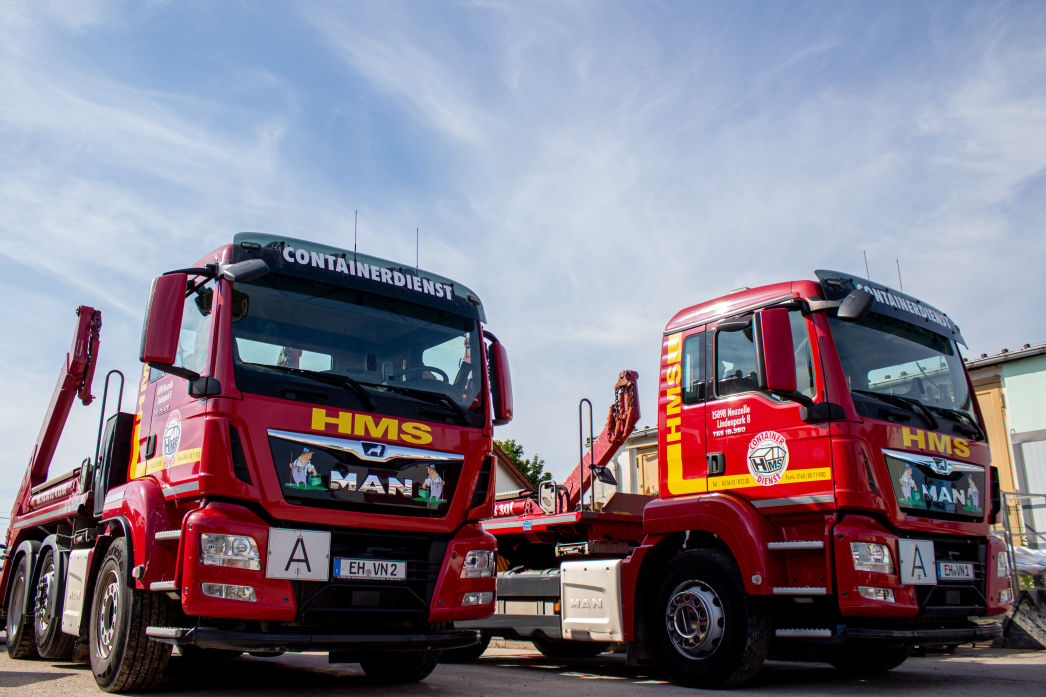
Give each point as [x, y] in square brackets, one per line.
[211, 638]
[924, 637]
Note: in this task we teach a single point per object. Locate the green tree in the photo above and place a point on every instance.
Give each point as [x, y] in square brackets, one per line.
[533, 467]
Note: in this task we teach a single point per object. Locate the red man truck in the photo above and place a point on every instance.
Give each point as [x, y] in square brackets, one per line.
[305, 468]
[825, 493]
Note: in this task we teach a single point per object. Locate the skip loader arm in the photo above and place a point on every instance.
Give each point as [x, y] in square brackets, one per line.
[74, 382]
[621, 420]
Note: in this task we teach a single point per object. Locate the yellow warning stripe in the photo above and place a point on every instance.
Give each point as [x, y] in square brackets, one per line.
[182, 457]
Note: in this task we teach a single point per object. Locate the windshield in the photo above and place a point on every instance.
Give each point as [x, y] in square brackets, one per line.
[900, 372]
[309, 341]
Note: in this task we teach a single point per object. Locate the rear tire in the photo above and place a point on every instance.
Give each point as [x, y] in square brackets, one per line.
[868, 660]
[123, 659]
[706, 630]
[400, 667]
[19, 623]
[467, 654]
[51, 643]
[566, 648]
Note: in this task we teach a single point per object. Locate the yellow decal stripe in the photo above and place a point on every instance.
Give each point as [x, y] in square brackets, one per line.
[183, 457]
[744, 481]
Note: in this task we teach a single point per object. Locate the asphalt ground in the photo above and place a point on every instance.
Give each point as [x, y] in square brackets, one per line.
[517, 669]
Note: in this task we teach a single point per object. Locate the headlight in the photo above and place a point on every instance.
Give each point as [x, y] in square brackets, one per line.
[237, 551]
[479, 563]
[1002, 567]
[872, 556]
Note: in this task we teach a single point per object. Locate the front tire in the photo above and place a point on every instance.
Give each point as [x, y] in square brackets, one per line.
[51, 643]
[19, 623]
[400, 667]
[707, 631]
[123, 659]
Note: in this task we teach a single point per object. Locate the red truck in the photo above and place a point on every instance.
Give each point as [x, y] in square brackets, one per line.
[305, 468]
[825, 493]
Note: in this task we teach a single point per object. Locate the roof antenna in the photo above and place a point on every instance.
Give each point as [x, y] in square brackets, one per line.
[867, 274]
[355, 227]
[899, 281]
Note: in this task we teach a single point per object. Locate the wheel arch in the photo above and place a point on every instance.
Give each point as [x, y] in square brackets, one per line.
[30, 550]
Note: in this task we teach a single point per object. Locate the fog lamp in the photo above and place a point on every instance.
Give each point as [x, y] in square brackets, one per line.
[480, 598]
[229, 592]
[876, 593]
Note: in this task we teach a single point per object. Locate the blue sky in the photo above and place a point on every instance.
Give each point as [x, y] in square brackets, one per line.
[589, 168]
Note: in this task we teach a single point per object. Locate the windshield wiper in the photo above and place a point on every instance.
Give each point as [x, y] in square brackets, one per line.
[962, 417]
[336, 379]
[898, 400]
[426, 396]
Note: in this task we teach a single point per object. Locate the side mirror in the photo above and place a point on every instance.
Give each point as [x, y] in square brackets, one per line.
[855, 305]
[163, 320]
[776, 358]
[500, 383]
[247, 270]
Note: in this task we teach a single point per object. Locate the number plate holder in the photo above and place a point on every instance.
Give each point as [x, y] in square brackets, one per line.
[370, 569]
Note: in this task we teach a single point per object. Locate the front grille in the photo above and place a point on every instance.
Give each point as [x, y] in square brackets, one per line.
[955, 598]
[363, 603]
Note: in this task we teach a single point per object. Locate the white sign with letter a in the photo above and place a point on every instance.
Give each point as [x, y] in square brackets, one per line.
[918, 565]
[304, 555]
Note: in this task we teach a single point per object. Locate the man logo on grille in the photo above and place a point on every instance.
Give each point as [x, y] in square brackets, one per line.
[373, 449]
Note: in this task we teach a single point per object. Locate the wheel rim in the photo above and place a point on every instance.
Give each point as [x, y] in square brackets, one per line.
[42, 608]
[108, 614]
[14, 612]
[694, 619]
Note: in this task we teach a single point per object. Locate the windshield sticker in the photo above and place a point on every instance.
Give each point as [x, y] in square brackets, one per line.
[172, 437]
[768, 457]
[921, 490]
[731, 420]
[345, 479]
[373, 272]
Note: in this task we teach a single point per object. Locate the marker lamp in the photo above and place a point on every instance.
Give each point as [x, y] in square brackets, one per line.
[1006, 595]
[479, 563]
[229, 592]
[1002, 566]
[237, 551]
[872, 556]
[481, 598]
[875, 593]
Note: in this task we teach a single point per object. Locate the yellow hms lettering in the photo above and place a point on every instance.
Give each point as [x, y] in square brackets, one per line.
[368, 426]
[937, 442]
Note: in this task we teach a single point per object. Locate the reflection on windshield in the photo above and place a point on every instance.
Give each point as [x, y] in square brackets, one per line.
[380, 344]
[882, 356]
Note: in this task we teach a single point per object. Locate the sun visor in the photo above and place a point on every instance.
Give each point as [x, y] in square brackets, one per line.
[890, 303]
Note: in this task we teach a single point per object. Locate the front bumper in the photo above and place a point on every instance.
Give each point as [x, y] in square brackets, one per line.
[213, 638]
[910, 636]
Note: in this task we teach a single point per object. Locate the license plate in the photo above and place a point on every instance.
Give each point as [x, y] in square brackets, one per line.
[370, 569]
[917, 562]
[955, 571]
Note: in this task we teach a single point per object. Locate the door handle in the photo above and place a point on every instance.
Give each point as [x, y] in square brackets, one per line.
[716, 464]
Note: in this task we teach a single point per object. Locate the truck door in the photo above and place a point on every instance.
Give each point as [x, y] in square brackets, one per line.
[765, 452]
[681, 413]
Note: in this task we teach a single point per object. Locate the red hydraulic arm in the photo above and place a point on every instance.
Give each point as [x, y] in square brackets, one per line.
[624, 413]
[73, 382]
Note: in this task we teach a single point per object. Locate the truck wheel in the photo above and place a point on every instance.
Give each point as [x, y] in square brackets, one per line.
[19, 624]
[123, 659]
[707, 631]
[565, 648]
[400, 667]
[51, 643]
[868, 660]
[467, 654]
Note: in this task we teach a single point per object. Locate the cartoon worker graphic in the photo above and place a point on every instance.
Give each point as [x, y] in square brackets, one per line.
[302, 469]
[432, 487]
[973, 494]
[908, 487]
